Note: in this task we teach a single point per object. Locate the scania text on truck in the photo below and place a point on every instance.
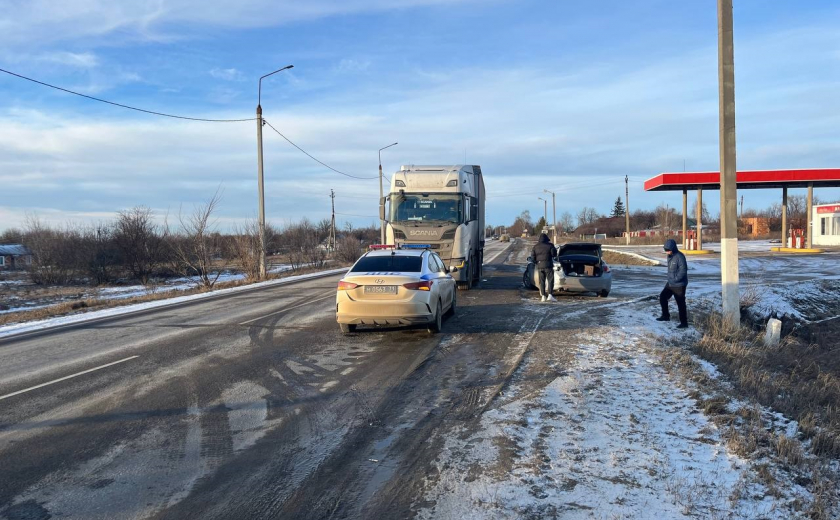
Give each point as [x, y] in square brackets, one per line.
[442, 206]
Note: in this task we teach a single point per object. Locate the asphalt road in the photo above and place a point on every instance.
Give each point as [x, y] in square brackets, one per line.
[255, 406]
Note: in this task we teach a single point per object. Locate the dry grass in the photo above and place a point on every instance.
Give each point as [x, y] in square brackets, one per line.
[88, 304]
[798, 379]
[790, 379]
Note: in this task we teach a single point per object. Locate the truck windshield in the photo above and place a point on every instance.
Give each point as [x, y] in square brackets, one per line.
[426, 207]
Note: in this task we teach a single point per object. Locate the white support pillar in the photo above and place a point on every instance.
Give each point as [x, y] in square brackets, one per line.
[728, 177]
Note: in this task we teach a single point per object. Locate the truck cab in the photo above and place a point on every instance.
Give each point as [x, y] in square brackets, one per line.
[442, 206]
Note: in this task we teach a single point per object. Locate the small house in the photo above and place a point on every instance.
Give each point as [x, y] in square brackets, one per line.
[14, 256]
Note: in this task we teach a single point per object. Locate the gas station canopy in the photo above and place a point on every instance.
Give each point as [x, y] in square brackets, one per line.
[755, 179]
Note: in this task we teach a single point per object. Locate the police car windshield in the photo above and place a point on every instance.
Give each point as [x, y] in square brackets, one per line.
[389, 263]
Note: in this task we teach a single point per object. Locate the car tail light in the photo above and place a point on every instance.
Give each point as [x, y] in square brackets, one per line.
[346, 286]
[606, 269]
[419, 286]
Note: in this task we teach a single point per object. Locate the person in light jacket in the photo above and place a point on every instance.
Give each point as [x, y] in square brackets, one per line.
[676, 286]
[543, 256]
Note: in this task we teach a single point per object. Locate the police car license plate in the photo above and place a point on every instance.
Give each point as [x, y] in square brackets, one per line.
[381, 289]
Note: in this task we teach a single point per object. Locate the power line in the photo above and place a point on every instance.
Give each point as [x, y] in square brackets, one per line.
[126, 106]
[314, 159]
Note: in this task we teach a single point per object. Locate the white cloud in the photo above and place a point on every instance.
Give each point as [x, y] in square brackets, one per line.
[227, 74]
[43, 21]
[85, 60]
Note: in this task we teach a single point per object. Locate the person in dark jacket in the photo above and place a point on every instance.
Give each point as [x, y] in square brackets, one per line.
[677, 284]
[543, 257]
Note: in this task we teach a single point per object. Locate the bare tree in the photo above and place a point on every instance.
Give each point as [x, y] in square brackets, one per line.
[797, 207]
[141, 242]
[705, 216]
[52, 253]
[587, 216]
[246, 248]
[567, 222]
[198, 246]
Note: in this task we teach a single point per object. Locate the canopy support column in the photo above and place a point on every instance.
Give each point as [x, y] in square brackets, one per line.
[685, 220]
[809, 220]
[784, 218]
[699, 219]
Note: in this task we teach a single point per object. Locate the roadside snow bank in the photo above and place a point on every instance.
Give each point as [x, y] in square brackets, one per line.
[30, 326]
[612, 438]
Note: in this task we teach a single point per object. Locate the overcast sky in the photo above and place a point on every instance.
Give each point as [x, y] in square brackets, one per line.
[569, 96]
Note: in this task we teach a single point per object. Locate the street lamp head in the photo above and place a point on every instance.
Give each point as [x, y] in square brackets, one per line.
[259, 83]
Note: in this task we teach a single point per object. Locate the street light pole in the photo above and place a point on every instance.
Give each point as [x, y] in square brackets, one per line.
[260, 184]
[728, 187]
[381, 195]
[554, 214]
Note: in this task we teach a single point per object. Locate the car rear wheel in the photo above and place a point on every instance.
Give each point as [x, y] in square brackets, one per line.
[604, 293]
[437, 324]
[346, 328]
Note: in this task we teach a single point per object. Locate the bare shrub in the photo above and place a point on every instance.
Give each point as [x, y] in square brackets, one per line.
[141, 242]
[348, 250]
[52, 252]
[198, 245]
[246, 248]
[97, 254]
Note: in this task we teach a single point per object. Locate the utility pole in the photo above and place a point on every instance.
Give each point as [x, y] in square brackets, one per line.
[742, 206]
[261, 191]
[331, 242]
[728, 177]
[381, 195]
[260, 184]
[627, 209]
[554, 214]
[545, 210]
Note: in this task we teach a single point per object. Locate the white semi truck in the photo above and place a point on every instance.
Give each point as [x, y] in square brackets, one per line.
[442, 206]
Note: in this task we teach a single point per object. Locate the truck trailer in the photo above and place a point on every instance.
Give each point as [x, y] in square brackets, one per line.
[442, 206]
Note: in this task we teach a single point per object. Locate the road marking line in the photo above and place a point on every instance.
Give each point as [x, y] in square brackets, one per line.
[66, 378]
[331, 295]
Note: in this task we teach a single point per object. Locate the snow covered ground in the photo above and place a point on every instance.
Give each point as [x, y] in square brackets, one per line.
[613, 433]
[615, 436]
[31, 326]
[122, 292]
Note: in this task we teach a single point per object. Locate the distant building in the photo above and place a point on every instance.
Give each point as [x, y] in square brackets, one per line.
[754, 226]
[14, 256]
[826, 222]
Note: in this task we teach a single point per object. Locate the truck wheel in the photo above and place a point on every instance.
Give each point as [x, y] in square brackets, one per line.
[347, 329]
[466, 286]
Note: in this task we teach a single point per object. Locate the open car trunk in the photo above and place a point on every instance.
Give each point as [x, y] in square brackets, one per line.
[580, 260]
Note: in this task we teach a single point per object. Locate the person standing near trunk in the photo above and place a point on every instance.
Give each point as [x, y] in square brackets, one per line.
[676, 286]
[543, 255]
